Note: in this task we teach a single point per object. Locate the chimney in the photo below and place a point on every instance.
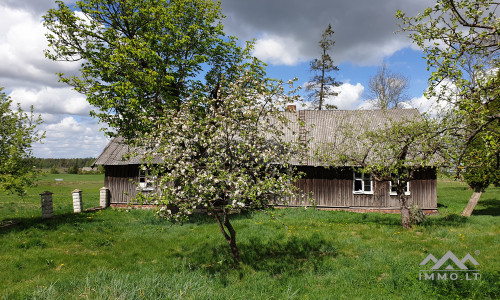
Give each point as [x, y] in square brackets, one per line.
[291, 108]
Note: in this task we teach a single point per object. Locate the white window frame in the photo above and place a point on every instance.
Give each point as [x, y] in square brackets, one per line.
[144, 183]
[364, 178]
[394, 193]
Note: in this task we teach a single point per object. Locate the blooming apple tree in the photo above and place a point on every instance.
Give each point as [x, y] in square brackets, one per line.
[231, 152]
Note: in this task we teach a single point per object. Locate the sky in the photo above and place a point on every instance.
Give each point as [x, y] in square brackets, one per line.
[286, 34]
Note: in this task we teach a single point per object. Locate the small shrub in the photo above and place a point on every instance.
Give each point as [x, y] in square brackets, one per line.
[417, 216]
[73, 170]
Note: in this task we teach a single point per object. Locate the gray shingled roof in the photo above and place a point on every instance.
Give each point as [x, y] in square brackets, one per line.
[322, 127]
[115, 154]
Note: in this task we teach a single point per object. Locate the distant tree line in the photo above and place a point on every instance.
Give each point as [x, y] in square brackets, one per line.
[63, 163]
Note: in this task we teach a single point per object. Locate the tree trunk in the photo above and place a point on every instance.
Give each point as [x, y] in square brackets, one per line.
[405, 211]
[231, 237]
[474, 199]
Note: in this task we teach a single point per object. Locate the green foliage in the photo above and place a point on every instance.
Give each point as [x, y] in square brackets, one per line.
[322, 84]
[417, 216]
[62, 163]
[73, 170]
[221, 159]
[18, 133]
[138, 57]
[461, 40]
[53, 170]
[395, 150]
[164, 76]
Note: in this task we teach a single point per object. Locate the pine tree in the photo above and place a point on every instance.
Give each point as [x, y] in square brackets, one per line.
[322, 84]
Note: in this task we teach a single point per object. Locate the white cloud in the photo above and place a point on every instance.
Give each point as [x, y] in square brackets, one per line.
[428, 105]
[22, 42]
[277, 50]
[349, 96]
[71, 138]
[52, 100]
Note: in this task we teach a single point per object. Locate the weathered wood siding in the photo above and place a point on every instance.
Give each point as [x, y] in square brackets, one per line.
[120, 182]
[331, 188]
[424, 189]
[334, 188]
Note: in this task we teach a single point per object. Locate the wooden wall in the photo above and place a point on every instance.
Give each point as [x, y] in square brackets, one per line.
[334, 188]
[331, 188]
[118, 179]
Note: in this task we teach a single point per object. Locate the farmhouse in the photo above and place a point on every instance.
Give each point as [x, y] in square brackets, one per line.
[342, 188]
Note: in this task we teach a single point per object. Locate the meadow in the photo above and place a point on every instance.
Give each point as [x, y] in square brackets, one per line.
[295, 254]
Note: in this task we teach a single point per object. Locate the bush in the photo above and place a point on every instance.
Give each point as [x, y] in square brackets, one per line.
[417, 216]
[73, 170]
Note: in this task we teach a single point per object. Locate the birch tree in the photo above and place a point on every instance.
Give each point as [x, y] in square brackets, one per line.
[387, 89]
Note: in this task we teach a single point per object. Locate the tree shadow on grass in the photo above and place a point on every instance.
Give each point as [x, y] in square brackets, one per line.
[488, 207]
[276, 257]
[450, 220]
[293, 254]
[22, 224]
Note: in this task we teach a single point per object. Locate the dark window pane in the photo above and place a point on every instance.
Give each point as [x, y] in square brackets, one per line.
[358, 185]
[368, 187]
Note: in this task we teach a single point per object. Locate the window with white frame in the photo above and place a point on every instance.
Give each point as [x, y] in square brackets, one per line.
[393, 191]
[362, 183]
[145, 181]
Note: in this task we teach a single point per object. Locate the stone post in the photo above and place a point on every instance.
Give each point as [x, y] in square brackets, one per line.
[104, 197]
[77, 201]
[47, 205]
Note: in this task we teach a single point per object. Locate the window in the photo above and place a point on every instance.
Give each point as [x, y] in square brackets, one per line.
[393, 188]
[145, 181]
[362, 183]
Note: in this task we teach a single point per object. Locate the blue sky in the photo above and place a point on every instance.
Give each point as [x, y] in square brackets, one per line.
[407, 61]
[286, 33]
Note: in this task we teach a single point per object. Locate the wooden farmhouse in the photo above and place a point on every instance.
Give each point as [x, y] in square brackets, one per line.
[342, 188]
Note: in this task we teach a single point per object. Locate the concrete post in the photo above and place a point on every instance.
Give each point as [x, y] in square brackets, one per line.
[104, 197]
[77, 201]
[47, 205]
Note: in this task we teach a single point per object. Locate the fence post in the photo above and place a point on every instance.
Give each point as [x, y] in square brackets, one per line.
[77, 201]
[47, 205]
[104, 197]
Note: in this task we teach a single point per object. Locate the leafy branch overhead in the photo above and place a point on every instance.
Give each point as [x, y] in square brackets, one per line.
[139, 57]
[395, 146]
[461, 40]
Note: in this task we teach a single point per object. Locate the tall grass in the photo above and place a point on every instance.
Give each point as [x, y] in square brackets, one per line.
[121, 254]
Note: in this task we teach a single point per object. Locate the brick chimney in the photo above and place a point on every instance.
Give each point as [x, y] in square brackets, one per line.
[291, 108]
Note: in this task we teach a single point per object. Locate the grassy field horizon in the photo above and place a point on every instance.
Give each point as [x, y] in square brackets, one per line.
[299, 254]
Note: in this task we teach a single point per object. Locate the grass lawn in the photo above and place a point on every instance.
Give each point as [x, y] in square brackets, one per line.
[120, 254]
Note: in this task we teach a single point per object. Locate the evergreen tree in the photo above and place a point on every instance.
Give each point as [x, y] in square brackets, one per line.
[322, 84]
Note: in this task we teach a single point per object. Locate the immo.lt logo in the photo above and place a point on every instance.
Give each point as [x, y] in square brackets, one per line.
[449, 267]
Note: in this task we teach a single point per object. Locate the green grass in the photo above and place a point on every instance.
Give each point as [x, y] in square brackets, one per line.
[13, 206]
[120, 254]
